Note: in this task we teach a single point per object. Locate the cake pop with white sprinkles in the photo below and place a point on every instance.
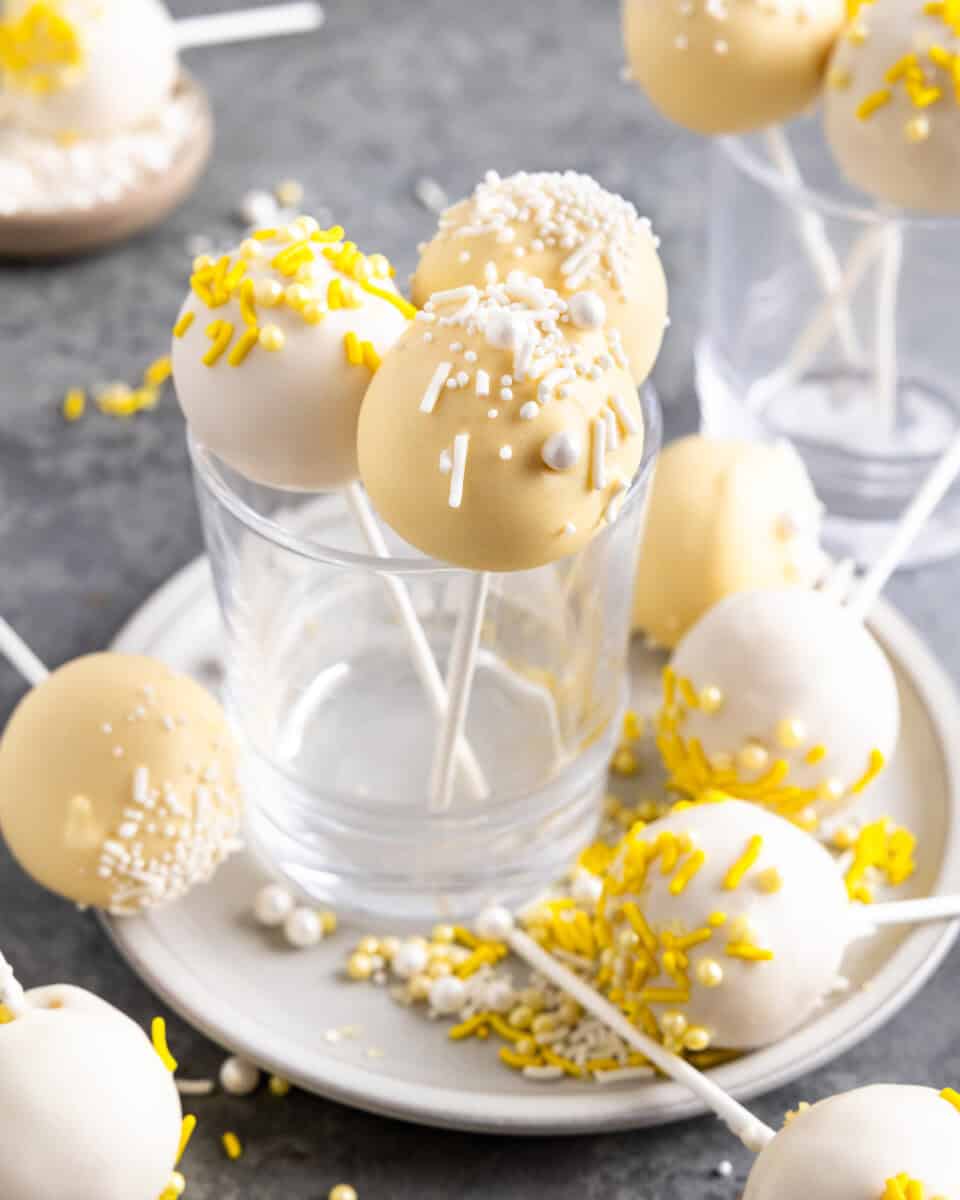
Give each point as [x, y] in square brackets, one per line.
[274, 349]
[589, 245]
[497, 435]
[892, 107]
[118, 783]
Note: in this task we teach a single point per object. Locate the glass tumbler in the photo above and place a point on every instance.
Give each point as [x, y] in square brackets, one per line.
[866, 385]
[335, 728]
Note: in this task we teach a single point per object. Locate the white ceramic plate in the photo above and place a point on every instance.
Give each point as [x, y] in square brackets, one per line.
[286, 1010]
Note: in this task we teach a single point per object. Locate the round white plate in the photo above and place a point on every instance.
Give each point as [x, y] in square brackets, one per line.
[295, 1015]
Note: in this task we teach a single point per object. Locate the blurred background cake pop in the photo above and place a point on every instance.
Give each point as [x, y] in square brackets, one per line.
[117, 783]
[892, 110]
[498, 435]
[587, 244]
[725, 516]
[727, 66]
[275, 347]
[780, 696]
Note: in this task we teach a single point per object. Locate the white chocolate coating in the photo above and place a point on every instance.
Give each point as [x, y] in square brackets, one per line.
[782, 686]
[287, 416]
[724, 517]
[588, 244]
[458, 436]
[117, 68]
[850, 1146]
[118, 783]
[791, 901]
[727, 66]
[88, 1107]
[891, 108]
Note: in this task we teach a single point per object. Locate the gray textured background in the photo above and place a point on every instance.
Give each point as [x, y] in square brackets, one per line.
[93, 517]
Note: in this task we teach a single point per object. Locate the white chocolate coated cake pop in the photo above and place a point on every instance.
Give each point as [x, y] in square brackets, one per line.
[892, 108]
[275, 347]
[118, 783]
[497, 435]
[727, 66]
[86, 68]
[779, 696]
[724, 517]
[728, 926]
[886, 1142]
[89, 1109]
[589, 245]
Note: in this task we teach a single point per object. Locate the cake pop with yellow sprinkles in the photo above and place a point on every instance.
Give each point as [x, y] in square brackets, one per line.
[498, 435]
[892, 106]
[90, 1107]
[885, 1142]
[587, 244]
[118, 783]
[274, 348]
[780, 696]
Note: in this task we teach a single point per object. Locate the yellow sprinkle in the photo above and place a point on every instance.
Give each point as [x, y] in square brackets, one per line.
[688, 693]
[272, 338]
[470, 1027]
[323, 236]
[220, 334]
[876, 765]
[816, 754]
[232, 1146]
[74, 404]
[565, 1065]
[158, 1032]
[901, 68]
[158, 371]
[717, 919]
[873, 103]
[770, 881]
[633, 725]
[951, 1097]
[266, 235]
[519, 1061]
[6, 1016]
[187, 1126]
[278, 1087]
[404, 307]
[735, 875]
[750, 953]
[245, 343]
[248, 308]
[371, 359]
[184, 323]
[624, 762]
[351, 344]
[680, 881]
[664, 996]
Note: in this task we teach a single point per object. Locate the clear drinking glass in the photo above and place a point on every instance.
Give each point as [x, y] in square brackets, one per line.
[335, 729]
[775, 360]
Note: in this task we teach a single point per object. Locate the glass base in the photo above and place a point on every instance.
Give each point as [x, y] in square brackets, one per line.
[865, 468]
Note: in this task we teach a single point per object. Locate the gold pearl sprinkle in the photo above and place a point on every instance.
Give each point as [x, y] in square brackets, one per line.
[839, 79]
[696, 1038]
[770, 881]
[673, 1024]
[711, 699]
[753, 757]
[272, 337]
[709, 972]
[917, 129]
[791, 733]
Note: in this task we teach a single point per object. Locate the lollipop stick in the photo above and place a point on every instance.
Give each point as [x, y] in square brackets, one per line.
[885, 325]
[911, 912]
[19, 655]
[423, 660]
[918, 512]
[739, 1120]
[11, 993]
[247, 25]
[821, 254]
[463, 664]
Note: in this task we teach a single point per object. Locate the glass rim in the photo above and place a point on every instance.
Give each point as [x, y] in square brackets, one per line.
[736, 148]
[208, 471]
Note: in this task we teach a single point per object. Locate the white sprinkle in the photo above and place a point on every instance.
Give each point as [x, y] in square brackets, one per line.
[627, 419]
[561, 450]
[118, 752]
[599, 454]
[462, 379]
[545, 1074]
[455, 295]
[431, 195]
[613, 434]
[575, 261]
[528, 411]
[570, 528]
[461, 445]
[446, 462]
[195, 1087]
[724, 1169]
[616, 503]
[483, 383]
[106, 727]
[493, 413]
[463, 256]
[435, 386]
[506, 453]
[721, 46]
[470, 356]
[141, 786]
[681, 41]
[622, 1074]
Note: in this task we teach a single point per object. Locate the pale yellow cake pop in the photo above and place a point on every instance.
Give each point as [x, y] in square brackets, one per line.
[588, 244]
[727, 66]
[497, 435]
[118, 783]
[725, 516]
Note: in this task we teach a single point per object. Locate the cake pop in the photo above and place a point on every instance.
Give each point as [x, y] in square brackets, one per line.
[89, 1107]
[724, 517]
[585, 243]
[726, 66]
[885, 1142]
[275, 347]
[117, 783]
[892, 111]
[780, 696]
[498, 435]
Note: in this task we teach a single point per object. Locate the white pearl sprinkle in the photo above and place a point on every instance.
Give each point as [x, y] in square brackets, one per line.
[273, 904]
[409, 960]
[239, 1077]
[587, 310]
[303, 928]
[495, 924]
[448, 994]
[506, 453]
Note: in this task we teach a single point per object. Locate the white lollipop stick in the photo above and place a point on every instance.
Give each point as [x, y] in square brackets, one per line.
[218, 29]
[918, 512]
[910, 912]
[16, 651]
[423, 660]
[739, 1120]
[821, 254]
[885, 325]
[463, 664]
[11, 993]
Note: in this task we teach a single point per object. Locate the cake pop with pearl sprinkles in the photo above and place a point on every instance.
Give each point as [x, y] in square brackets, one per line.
[779, 696]
[497, 435]
[892, 109]
[275, 347]
[118, 783]
[587, 244]
[728, 66]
